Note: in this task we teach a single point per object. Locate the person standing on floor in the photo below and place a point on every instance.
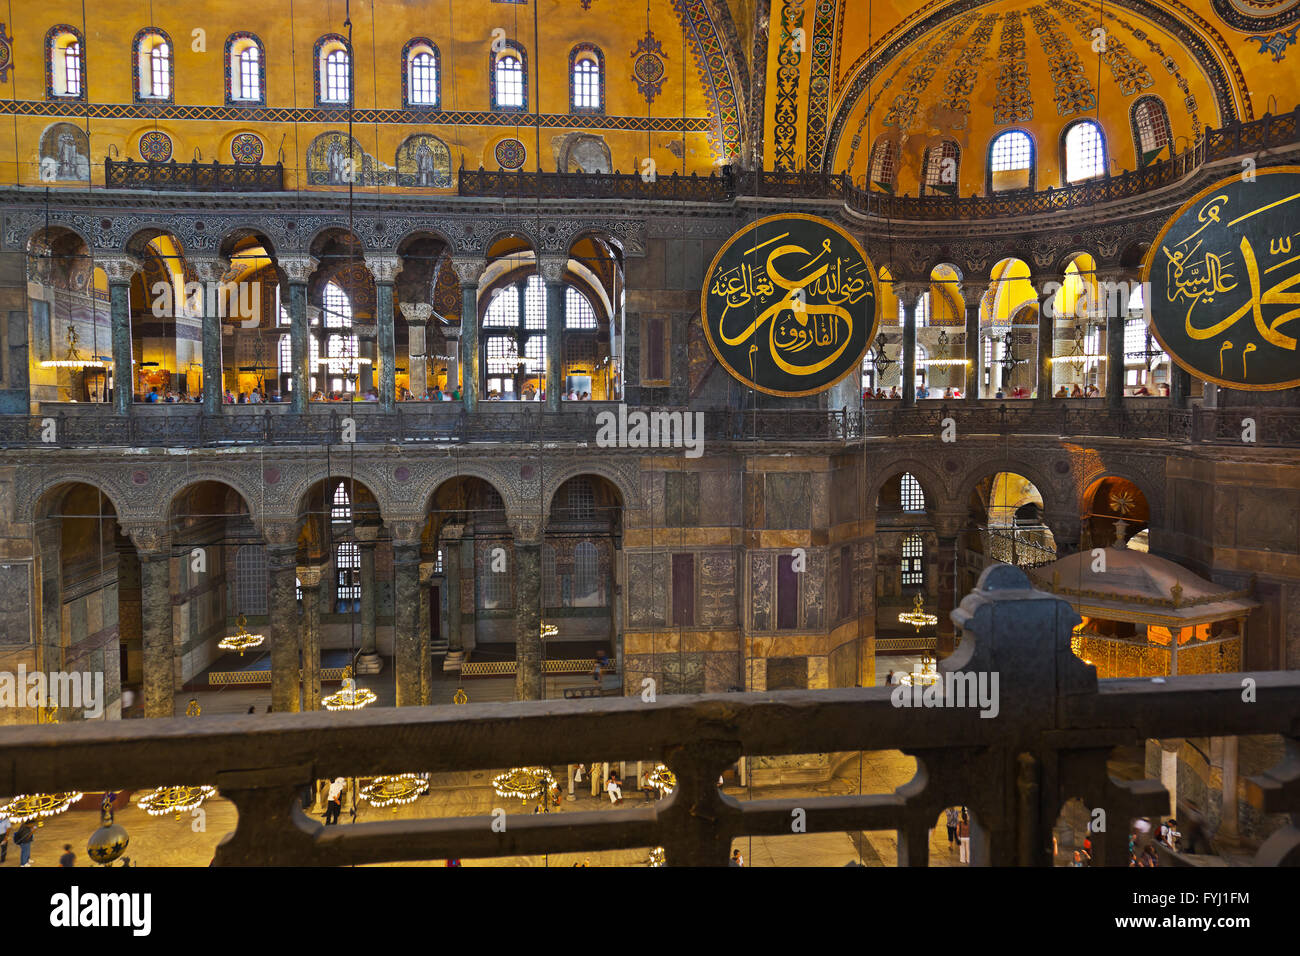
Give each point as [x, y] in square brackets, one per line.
[23, 840]
[736, 859]
[334, 805]
[4, 836]
[69, 858]
[963, 837]
[950, 820]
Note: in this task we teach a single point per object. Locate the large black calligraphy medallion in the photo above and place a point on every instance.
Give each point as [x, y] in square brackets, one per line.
[1223, 292]
[789, 305]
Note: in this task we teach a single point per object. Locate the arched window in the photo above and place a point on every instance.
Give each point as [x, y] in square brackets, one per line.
[1011, 162]
[913, 565]
[586, 574]
[342, 358]
[65, 63]
[578, 313]
[1151, 133]
[941, 169]
[245, 70]
[341, 504]
[582, 500]
[347, 564]
[333, 71]
[1084, 148]
[251, 585]
[494, 586]
[586, 79]
[153, 65]
[884, 164]
[509, 78]
[910, 494]
[420, 74]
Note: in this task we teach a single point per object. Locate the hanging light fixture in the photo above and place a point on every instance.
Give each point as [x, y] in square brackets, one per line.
[31, 806]
[73, 357]
[927, 674]
[918, 617]
[241, 640]
[176, 800]
[350, 696]
[523, 783]
[1079, 356]
[663, 780]
[880, 359]
[394, 790]
[941, 359]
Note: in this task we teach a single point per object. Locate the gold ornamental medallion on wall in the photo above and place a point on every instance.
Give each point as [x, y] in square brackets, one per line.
[1222, 282]
[789, 305]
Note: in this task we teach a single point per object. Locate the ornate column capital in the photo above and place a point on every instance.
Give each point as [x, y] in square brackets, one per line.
[384, 268]
[527, 530]
[366, 534]
[208, 268]
[428, 571]
[416, 313]
[405, 532]
[552, 268]
[910, 292]
[468, 271]
[119, 267]
[309, 575]
[297, 269]
[152, 540]
[280, 534]
[972, 291]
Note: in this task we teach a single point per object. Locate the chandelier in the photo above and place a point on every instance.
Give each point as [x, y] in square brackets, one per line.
[350, 696]
[1079, 356]
[30, 806]
[663, 780]
[73, 359]
[395, 790]
[918, 617]
[927, 674]
[524, 783]
[177, 800]
[657, 856]
[241, 640]
[880, 359]
[941, 359]
[549, 630]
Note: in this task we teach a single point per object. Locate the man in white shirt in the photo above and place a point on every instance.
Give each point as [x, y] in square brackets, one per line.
[334, 805]
[615, 791]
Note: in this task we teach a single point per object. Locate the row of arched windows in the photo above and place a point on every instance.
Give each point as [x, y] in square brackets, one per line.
[1012, 158]
[153, 71]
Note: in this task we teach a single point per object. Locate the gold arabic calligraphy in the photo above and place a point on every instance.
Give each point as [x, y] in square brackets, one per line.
[815, 301]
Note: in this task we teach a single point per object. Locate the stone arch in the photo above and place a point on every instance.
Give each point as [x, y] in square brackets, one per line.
[231, 479]
[623, 483]
[1154, 499]
[491, 476]
[366, 475]
[41, 498]
[931, 483]
[978, 471]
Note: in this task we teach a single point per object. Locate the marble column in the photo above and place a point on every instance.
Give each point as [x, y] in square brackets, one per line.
[909, 295]
[947, 528]
[974, 354]
[49, 577]
[552, 271]
[1116, 319]
[468, 272]
[297, 271]
[450, 541]
[286, 663]
[368, 661]
[452, 334]
[406, 619]
[1228, 816]
[417, 315]
[153, 544]
[529, 683]
[385, 269]
[1180, 385]
[425, 631]
[310, 576]
[1046, 343]
[119, 269]
[210, 271]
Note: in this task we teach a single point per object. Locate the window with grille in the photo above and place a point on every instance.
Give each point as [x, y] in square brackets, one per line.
[913, 561]
[494, 587]
[347, 563]
[535, 355]
[586, 84]
[156, 81]
[437, 563]
[249, 73]
[941, 175]
[580, 353]
[492, 500]
[1012, 151]
[923, 310]
[503, 310]
[72, 69]
[509, 82]
[502, 355]
[338, 310]
[341, 507]
[286, 355]
[884, 163]
[250, 579]
[423, 79]
[1085, 152]
[582, 500]
[535, 304]
[578, 313]
[1152, 124]
[550, 582]
[910, 494]
[1135, 336]
[338, 76]
[586, 573]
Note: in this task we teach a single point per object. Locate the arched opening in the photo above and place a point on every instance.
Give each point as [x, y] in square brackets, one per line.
[1079, 326]
[69, 353]
[1115, 507]
[907, 568]
[166, 323]
[1009, 332]
[1005, 524]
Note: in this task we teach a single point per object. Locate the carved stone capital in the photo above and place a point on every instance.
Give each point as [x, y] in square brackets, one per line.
[451, 533]
[468, 271]
[451, 331]
[309, 575]
[208, 268]
[405, 532]
[552, 268]
[151, 540]
[280, 534]
[416, 313]
[428, 571]
[297, 269]
[366, 534]
[527, 530]
[384, 268]
[909, 293]
[118, 268]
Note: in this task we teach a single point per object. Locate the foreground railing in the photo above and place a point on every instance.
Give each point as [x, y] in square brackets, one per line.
[200, 177]
[186, 427]
[1043, 738]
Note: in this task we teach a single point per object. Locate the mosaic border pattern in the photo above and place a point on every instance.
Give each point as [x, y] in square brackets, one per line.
[1227, 11]
[785, 105]
[819, 80]
[711, 62]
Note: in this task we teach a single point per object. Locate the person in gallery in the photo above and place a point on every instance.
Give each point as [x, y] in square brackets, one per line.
[950, 821]
[736, 859]
[334, 805]
[614, 790]
[963, 837]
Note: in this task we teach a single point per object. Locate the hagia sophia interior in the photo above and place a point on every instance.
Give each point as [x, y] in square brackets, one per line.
[316, 321]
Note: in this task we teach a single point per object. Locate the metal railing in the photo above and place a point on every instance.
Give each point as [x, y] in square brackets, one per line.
[1055, 728]
[181, 426]
[200, 177]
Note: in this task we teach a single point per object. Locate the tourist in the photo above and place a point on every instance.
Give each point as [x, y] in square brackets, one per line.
[69, 858]
[1143, 390]
[947, 392]
[999, 393]
[254, 397]
[1061, 393]
[893, 392]
[1077, 860]
[252, 709]
[614, 790]
[4, 835]
[1076, 392]
[1164, 389]
[334, 805]
[922, 392]
[963, 837]
[648, 788]
[1171, 835]
[455, 395]
[889, 679]
[950, 820]
[23, 840]
[152, 397]
[736, 859]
